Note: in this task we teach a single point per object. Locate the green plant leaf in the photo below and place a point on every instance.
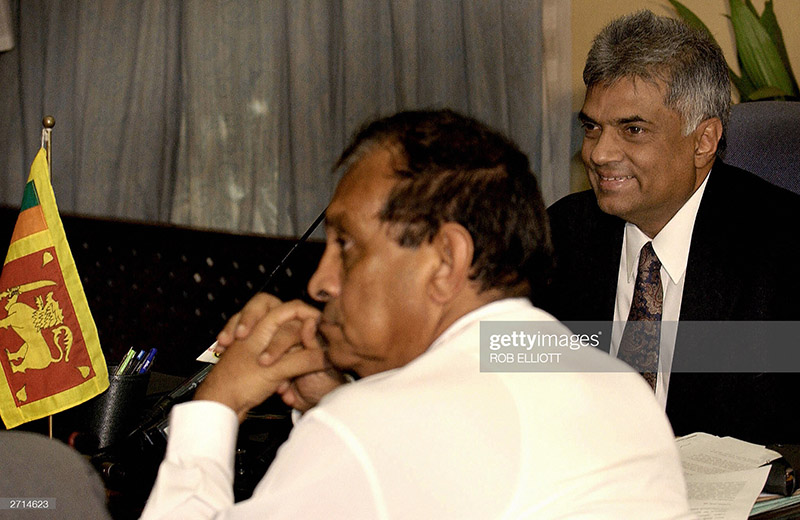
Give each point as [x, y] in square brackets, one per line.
[752, 8]
[753, 80]
[759, 57]
[770, 24]
[767, 93]
[690, 18]
[742, 84]
[739, 62]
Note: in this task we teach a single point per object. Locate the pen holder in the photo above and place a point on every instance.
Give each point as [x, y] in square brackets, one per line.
[115, 413]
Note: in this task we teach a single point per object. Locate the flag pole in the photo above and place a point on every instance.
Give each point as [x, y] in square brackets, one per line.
[39, 257]
[48, 122]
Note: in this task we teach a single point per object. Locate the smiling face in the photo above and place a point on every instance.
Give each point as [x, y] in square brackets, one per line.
[640, 165]
[377, 314]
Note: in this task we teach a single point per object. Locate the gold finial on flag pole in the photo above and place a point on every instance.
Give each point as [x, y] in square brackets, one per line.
[48, 122]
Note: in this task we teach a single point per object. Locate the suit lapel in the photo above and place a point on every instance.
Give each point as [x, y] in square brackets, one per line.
[593, 279]
[710, 290]
[606, 250]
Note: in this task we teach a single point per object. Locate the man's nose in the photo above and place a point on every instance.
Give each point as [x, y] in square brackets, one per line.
[605, 149]
[324, 284]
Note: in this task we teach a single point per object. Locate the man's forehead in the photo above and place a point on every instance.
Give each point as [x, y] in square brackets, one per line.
[633, 86]
[626, 99]
[376, 163]
[364, 188]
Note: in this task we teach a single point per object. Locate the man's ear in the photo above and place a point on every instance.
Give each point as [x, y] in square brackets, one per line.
[707, 136]
[454, 249]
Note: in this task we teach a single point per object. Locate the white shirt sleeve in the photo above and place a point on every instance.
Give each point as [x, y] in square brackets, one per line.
[319, 472]
[195, 480]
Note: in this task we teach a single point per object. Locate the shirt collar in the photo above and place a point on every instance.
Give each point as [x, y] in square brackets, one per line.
[484, 313]
[671, 244]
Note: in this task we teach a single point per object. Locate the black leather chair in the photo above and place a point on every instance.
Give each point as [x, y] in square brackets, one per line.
[764, 138]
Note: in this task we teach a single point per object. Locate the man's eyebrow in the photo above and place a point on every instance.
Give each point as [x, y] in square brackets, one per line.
[334, 222]
[631, 119]
[620, 121]
[330, 221]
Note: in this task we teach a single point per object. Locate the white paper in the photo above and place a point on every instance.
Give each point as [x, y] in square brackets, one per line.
[208, 355]
[706, 454]
[725, 496]
[724, 476]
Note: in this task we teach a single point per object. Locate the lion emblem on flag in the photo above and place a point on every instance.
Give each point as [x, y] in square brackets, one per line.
[30, 324]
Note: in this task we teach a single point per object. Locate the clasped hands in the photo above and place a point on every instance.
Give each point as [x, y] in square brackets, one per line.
[270, 346]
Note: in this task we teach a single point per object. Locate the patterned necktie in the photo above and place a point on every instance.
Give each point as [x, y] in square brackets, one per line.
[642, 334]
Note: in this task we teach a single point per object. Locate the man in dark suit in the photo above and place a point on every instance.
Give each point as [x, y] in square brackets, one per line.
[656, 107]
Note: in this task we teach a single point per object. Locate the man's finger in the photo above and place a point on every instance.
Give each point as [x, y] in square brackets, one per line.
[308, 334]
[241, 323]
[299, 362]
[267, 328]
[288, 336]
[255, 309]
[226, 336]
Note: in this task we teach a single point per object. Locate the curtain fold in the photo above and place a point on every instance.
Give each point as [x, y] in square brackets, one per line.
[228, 114]
[6, 29]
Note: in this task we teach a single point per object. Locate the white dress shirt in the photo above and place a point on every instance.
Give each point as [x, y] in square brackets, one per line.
[671, 245]
[439, 439]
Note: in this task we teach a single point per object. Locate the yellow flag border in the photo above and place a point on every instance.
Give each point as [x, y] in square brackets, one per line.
[13, 416]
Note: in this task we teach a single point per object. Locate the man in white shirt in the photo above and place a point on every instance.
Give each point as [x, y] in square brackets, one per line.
[656, 106]
[431, 231]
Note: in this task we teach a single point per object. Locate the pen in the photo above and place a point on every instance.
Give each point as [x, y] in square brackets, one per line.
[134, 366]
[147, 361]
[124, 364]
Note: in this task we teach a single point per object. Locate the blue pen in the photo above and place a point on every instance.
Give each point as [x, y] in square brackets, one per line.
[148, 361]
[133, 367]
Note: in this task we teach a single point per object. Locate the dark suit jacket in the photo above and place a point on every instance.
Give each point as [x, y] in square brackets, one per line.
[743, 257]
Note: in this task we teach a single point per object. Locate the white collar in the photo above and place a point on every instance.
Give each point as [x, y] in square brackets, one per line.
[483, 313]
[671, 244]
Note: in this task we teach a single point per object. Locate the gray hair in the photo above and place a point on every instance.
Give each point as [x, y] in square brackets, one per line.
[655, 48]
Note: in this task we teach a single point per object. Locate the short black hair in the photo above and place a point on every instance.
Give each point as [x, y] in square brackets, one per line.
[456, 169]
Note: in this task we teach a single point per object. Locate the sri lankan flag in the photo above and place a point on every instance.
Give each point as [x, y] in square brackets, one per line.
[50, 357]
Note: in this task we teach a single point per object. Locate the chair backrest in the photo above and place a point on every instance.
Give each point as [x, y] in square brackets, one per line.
[52, 475]
[764, 138]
